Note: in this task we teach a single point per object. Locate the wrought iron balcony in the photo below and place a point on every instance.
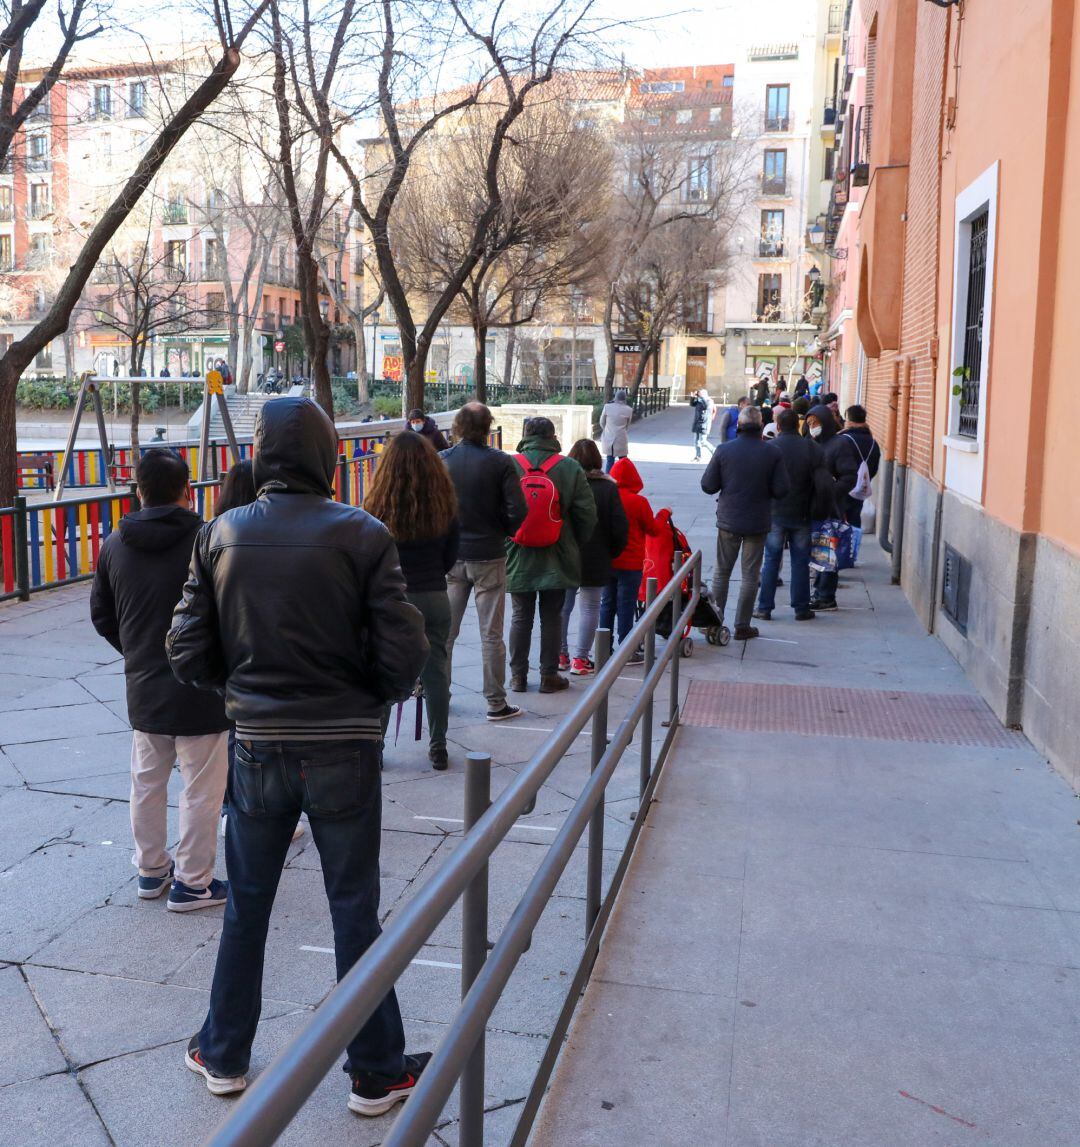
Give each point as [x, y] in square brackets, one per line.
[771, 249]
[777, 122]
[175, 213]
[774, 185]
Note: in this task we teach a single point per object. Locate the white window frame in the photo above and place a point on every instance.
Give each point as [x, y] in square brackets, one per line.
[965, 458]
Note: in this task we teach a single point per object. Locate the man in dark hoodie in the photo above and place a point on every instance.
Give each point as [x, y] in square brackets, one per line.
[424, 425]
[295, 607]
[748, 474]
[140, 574]
[842, 463]
[803, 458]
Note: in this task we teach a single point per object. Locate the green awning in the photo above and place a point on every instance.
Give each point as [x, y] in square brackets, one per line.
[775, 351]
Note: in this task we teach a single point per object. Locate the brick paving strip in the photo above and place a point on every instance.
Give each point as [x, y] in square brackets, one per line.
[826, 711]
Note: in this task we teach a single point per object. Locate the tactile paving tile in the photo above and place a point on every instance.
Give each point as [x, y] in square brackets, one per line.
[814, 711]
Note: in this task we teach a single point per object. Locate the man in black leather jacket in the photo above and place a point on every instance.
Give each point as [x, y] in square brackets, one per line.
[295, 608]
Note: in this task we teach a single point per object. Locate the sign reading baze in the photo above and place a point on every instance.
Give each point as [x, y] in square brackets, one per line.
[628, 345]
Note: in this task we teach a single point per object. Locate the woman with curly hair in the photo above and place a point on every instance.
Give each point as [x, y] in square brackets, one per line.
[413, 496]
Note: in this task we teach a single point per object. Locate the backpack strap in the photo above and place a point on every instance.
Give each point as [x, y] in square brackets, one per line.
[862, 458]
[549, 463]
[544, 466]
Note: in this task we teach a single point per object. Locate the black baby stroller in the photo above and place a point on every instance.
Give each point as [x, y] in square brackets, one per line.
[660, 553]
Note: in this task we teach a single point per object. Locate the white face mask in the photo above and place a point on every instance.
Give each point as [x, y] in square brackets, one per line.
[815, 431]
[417, 426]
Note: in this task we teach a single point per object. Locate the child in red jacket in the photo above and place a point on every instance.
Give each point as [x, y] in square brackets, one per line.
[621, 594]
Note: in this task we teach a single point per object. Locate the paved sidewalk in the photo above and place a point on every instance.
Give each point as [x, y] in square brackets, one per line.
[859, 940]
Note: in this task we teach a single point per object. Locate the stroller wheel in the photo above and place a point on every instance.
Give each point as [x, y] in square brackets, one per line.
[686, 647]
[714, 634]
[725, 635]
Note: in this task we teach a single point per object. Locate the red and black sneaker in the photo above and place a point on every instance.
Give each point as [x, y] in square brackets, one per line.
[373, 1095]
[215, 1083]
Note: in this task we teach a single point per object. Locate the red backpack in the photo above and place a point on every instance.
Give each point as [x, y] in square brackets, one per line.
[543, 522]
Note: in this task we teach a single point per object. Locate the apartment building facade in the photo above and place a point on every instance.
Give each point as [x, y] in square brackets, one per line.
[967, 271]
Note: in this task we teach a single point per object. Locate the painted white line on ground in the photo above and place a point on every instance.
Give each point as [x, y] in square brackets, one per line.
[425, 963]
[517, 824]
[778, 640]
[530, 729]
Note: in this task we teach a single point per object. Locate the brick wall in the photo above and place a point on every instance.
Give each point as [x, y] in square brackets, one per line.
[919, 306]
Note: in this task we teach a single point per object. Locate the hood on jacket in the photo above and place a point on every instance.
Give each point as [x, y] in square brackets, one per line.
[825, 416]
[295, 448]
[544, 447]
[626, 476]
[157, 527]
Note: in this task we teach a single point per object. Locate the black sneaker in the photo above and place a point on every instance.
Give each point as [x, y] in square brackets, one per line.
[439, 759]
[506, 713]
[804, 615]
[372, 1095]
[637, 657]
[215, 1084]
[763, 614]
[820, 606]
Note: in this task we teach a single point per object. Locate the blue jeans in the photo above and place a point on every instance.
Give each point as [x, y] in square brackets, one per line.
[337, 783]
[798, 540]
[619, 600]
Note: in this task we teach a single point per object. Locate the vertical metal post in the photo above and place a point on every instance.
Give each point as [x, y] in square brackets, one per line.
[22, 555]
[204, 432]
[647, 716]
[73, 430]
[676, 636]
[343, 478]
[595, 873]
[474, 946]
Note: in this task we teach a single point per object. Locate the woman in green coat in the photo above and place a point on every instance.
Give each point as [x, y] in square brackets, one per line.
[543, 574]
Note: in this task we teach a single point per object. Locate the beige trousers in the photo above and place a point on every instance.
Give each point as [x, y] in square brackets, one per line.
[204, 766]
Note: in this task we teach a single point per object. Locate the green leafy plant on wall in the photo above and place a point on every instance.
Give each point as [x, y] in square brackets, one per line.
[963, 373]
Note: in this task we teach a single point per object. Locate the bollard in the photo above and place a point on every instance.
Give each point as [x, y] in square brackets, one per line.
[342, 479]
[474, 949]
[22, 552]
[595, 871]
[676, 636]
[647, 716]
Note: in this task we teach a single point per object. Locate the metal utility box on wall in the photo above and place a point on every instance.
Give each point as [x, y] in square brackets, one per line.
[955, 587]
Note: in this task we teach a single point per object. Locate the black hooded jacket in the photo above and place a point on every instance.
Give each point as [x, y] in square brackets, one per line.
[841, 456]
[295, 605]
[612, 530]
[140, 573]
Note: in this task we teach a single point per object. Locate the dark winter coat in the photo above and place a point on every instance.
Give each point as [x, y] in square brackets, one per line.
[841, 456]
[699, 420]
[531, 568]
[426, 562]
[612, 529]
[140, 575]
[491, 505]
[639, 515]
[295, 604]
[802, 459]
[748, 474]
[433, 434]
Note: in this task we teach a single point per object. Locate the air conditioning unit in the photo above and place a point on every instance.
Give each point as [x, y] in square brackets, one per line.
[695, 194]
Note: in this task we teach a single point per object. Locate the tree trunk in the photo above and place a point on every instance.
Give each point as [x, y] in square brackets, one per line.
[243, 373]
[69, 352]
[9, 378]
[480, 360]
[234, 351]
[363, 389]
[644, 359]
[135, 412]
[609, 340]
[508, 361]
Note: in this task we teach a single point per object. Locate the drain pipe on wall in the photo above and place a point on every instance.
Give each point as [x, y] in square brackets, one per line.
[903, 418]
[887, 463]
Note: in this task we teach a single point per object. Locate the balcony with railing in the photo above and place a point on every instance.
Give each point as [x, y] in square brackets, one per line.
[213, 269]
[38, 209]
[835, 20]
[38, 260]
[7, 263]
[774, 185]
[777, 123]
[770, 248]
[38, 162]
[7, 212]
[40, 111]
[860, 147]
[175, 213]
[176, 272]
[829, 116]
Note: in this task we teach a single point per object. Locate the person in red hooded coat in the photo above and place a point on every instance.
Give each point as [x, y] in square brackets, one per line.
[620, 596]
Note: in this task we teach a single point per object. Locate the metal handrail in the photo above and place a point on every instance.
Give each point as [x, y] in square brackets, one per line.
[283, 1088]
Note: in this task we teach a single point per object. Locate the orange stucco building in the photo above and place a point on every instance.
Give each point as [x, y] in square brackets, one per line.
[968, 283]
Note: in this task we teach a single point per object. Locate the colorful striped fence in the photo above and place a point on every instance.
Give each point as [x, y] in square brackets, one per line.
[48, 544]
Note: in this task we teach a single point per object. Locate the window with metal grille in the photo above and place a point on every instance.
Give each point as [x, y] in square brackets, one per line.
[971, 380]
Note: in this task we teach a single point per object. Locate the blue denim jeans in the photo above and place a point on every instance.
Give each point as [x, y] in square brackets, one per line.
[338, 785]
[619, 600]
[798, 540]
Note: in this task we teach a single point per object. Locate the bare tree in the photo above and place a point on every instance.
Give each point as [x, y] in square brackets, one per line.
[145, 292]
[548, 235]
[674, 214]
[21, 352]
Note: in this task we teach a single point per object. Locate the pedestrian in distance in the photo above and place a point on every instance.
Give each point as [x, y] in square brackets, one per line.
[307, 663]
[140, 574]
[704, 411]
[856, 429]
[615, 419]
[729, 420]
[413, 495]
[608, 540]
[802, 387]
[620, 597]
[791, 520]
[842, 463]
[748, 475]
[760, 391]
[543, 558]
[491, 507]
[424, 425]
